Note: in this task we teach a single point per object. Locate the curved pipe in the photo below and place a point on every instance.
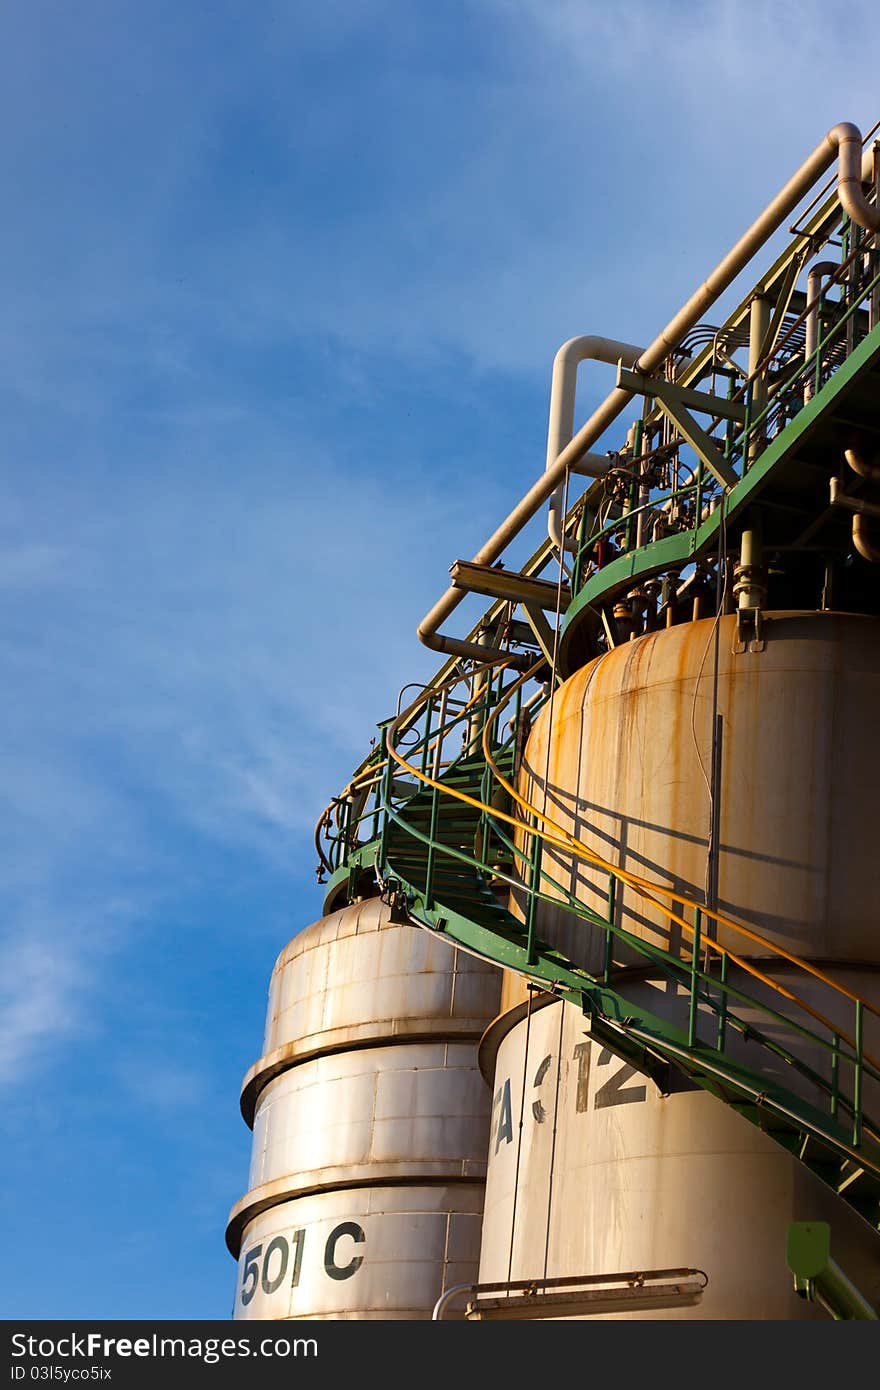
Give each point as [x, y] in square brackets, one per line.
[866, 468]
[850, 176]
[440, 1305]
[862, 510]
[563, 385]
[861, 540]
[843, 137]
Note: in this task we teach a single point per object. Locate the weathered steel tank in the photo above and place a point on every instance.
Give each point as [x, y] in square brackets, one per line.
[608, 1174]
[631, 762]
[370, 1123]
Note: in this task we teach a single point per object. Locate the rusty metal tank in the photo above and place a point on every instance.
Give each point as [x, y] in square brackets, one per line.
[608, 1175]
[370, 1123]
[629, 768]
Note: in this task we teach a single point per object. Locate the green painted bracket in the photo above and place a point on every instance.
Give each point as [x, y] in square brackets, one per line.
[818, 1278]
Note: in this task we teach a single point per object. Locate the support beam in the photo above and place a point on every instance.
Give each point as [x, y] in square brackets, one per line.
[675, 410]
[643, 385]
[542, 630]
[508, 584]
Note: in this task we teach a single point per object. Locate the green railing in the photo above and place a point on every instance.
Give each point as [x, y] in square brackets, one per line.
[422, 791]
[698, 492]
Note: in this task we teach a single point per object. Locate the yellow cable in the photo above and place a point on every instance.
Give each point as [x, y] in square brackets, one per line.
[566, 841]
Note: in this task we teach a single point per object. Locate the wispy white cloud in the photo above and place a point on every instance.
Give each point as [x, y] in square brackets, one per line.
[49, 953]
[184, 654]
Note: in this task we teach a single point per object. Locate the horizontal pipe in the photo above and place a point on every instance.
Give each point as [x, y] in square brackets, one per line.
[851, 504]
[593, 465]
[842, 137]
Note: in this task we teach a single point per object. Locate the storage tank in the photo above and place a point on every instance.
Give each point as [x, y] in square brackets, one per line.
[608, 1173]
[631, 761]
[370, 1123]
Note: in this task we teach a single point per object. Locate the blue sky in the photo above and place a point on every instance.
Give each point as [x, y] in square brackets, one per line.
[281, 289]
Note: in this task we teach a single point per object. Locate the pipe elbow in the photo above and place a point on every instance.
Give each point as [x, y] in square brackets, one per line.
[862, 539]
[866, 468]
[847, 138]
[844, 132]
[428, 637]
[596, 348]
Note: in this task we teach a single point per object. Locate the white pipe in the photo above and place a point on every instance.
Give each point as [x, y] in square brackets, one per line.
[850, 177]
[862, 539]
[842, 136]
[866, 468]
[759, 323]
[563, 386]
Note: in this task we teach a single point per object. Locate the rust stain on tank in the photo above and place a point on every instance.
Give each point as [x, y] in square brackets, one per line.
[630, 749]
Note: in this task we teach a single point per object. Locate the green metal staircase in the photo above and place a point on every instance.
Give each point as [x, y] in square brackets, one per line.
[433, 878]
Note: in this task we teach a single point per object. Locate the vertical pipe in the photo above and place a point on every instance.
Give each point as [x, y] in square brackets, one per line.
[750, 586]
[644, 493]
[759, 322]
[534, 885]
[812, 376]
[579, 554]
[638, 447]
